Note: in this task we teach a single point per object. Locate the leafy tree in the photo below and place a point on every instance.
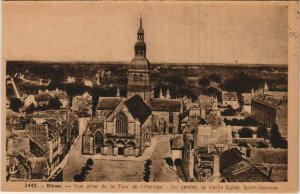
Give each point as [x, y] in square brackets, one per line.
[245, 132]
[54, 103]
[204, 82]
[276, 139]
[262, 132]
[215, 77]
[250, 121]
[147, 170]
[30, 109]
[15, 104]
[229, 111]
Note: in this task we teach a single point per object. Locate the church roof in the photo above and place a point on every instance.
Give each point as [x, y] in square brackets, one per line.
[138, 108]
[139, 63]
[167, 105]
[137, 88]
[108, 103]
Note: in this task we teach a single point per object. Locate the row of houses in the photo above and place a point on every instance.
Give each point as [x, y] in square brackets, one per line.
[36, 146]
[211, 151]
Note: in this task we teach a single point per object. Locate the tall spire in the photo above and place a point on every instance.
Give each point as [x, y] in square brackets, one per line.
[141, 22]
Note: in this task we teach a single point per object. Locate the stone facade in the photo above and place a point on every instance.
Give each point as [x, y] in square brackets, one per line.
[269, 111]
[123, 132]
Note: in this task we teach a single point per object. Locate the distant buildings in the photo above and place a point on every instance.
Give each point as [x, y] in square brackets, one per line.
[43, 97]
[82, 104]
[230, 98]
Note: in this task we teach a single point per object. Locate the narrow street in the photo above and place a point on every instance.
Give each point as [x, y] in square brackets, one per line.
[160, 171]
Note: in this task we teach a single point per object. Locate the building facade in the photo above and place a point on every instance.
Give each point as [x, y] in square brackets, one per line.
[127, 130]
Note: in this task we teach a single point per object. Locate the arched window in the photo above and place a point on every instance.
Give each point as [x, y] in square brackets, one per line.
[121, 124]
[98, 138]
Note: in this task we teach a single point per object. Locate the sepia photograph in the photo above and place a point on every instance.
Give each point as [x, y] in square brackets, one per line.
[138, 92]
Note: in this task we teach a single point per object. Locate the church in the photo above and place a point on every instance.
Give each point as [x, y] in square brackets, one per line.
[124, 126]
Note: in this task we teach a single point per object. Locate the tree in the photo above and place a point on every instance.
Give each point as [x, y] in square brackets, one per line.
[245, 132]
[250, 121]
[204, 82]
[15, 104]
[275, 137]
[54, 103]
[229, 111]
[147, 170]
[262, 132]
[30, 109]
[215, 77]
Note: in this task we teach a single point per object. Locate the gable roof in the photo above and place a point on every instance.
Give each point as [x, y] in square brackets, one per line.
[267, 100]
[235, 168]
[271, 156]
[109, 103]
[167, 105]
[138, 108]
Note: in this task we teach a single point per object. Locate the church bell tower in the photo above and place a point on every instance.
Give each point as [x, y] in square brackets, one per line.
[139, 69]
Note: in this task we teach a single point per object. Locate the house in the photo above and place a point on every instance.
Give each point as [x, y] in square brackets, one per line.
[82, 103]
[268, 111]
[205, 103]
[230, 98]
[106, 105]
[247, 97]
[167, 110]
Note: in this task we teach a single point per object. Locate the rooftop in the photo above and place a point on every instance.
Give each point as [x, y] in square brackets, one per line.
[166, 105]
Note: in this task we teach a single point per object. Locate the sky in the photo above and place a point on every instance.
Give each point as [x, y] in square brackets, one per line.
[178, 32]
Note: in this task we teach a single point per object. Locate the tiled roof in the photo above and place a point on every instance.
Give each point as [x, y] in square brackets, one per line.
[271, 156]
[108, 103]
[267, 100]
[43, 97]
[205, 101]
[167, 105]
[235, 168]
[229, 96]
[138, 108]
[229, 158]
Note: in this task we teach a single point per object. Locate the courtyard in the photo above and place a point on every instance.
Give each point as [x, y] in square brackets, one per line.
[105, 170]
